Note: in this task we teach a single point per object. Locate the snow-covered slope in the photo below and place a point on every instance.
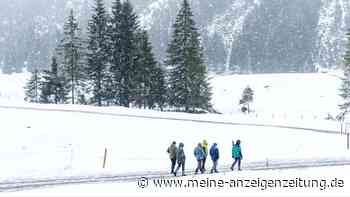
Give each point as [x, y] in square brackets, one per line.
[332, 27]
[50, 143]
[260, 35]
[12, 87]
[64, 140]
[244, 35]
[310, 96]
[285, 96]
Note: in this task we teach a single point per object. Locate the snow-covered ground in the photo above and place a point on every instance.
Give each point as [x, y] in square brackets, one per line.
[11, 87]
[56, 141]
[290, 96]
[285, 96]
[330, 181]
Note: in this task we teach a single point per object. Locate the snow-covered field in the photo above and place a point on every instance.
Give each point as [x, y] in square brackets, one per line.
[290, 96]
[70, 140]
[284, 96]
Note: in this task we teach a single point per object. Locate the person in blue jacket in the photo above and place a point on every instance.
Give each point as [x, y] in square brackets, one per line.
[199, 154]
[236, 154]
[181, 158]
[214, 154]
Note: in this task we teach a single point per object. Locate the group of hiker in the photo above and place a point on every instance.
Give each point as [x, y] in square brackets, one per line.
[177, 155]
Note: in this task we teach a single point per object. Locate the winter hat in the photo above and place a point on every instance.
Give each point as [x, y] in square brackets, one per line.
[205, 142]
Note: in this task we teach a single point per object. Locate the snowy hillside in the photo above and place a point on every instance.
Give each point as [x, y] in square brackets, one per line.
[57, 143]
[12, 87]
[53, 140]
[260, 35]
[310, 96]
[245, 35]
[283, 96]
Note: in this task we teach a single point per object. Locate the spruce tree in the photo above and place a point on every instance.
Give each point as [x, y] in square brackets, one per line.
[53, 85]
[32, 88]
[145, 63]
[128, 53]
[115, 38]
[97, 57]
[189, 87]
[150, 78]
[157, 94]
[71, 51]
[345, 86]
[247, 97]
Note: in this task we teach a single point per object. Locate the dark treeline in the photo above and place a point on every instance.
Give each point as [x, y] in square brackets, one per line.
[114, 64]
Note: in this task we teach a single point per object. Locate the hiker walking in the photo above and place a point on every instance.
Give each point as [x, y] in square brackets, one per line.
[236, 154]
[199, 154]
[172, 154]
[181, 158]
[214, 154]
[205, 149]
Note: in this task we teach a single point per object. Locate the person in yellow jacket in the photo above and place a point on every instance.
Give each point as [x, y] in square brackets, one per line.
[205, 148]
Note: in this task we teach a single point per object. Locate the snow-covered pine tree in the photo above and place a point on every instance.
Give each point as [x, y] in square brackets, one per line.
[149, 78]
[32, 88]
[158, 92]
[128, 53]
[47, 85]
[189, 87]
[247, 97]
[97, 55]
[345, 86]
[53, 85]
[71, 54]
[114, 34]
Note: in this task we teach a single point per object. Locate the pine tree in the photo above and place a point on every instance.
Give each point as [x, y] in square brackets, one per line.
[145, 64]
[71, 51]
[157, 94]
[115, 50]
[345, 86]
[189, 87]
[149, 77]
[53, 86]
[128, 53]
[98, 52]
[32, 88]
[247, 97]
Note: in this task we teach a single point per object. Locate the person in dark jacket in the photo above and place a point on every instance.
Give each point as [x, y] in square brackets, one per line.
[214, 154]
[172, 154]
[205, 149]
[199, 154]
[236, 154]
[181, 158]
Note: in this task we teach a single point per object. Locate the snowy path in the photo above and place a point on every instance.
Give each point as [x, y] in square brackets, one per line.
[254, 166]
[172, 118]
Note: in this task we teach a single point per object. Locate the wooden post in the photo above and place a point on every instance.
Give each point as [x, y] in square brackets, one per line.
[348, 138]
[105, 159]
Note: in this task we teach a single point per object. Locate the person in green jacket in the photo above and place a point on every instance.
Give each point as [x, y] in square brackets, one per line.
[236, 154]
[172, 154]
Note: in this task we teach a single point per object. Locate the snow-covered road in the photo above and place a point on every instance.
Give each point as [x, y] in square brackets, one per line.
[20, 185]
